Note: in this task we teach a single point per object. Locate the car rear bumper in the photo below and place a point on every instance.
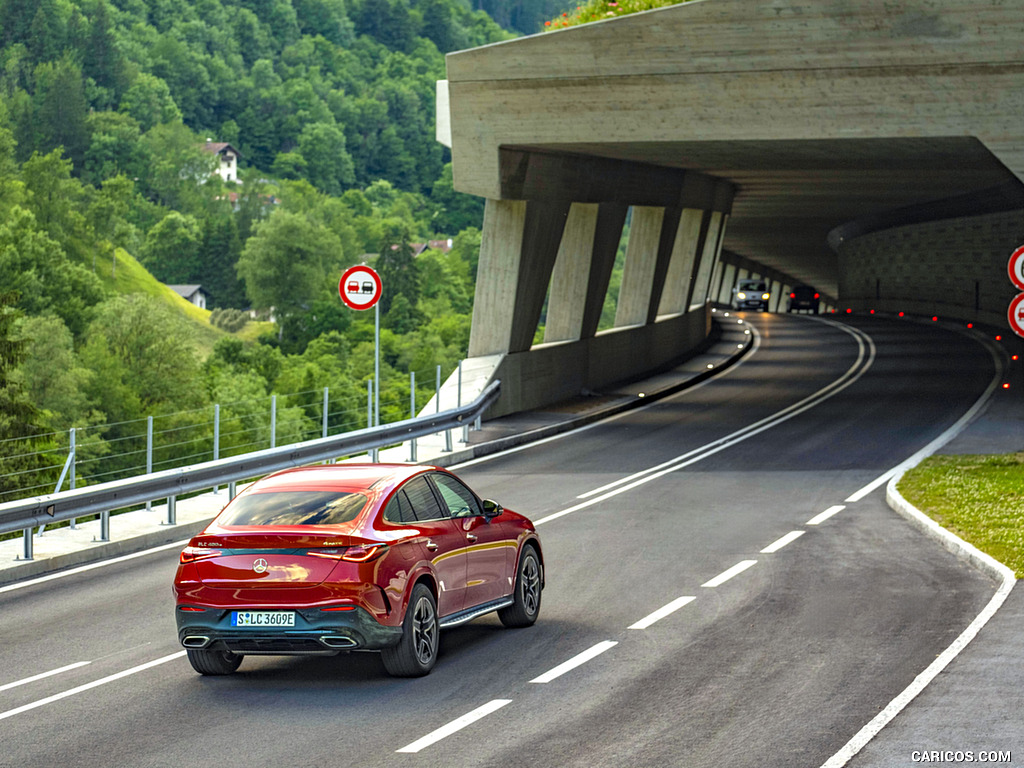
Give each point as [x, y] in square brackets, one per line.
[316, 632]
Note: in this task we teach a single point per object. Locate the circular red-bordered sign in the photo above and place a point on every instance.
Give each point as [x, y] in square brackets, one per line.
[1015, 314]
[1015, 268]
[360, 287]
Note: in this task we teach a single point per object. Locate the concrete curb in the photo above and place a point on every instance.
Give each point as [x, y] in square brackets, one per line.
[948, 540]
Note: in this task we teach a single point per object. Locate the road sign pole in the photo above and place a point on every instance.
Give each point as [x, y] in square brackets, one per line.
[376, 364]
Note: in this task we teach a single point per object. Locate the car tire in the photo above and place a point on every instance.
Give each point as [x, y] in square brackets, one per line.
[416, 652]
[526, 599]
[213, 662]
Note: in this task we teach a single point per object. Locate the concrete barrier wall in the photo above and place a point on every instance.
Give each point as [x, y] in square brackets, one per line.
[951, 267]
[549, 373]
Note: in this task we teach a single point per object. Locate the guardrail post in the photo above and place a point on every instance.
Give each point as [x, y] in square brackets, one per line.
[323, 430]
[172, 510]
[369, 415]
[412, 413]
[232, 490]
[437, 400]
[104, 526]
[216, 438]
[273, 421]
[26, 541]
[72, 436]
[149, 452]
[465, 427]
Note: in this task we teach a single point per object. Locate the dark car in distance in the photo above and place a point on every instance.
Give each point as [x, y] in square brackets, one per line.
[803, 297]
[352, 557]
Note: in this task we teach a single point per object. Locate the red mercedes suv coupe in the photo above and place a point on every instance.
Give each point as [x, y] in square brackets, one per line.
[348, 557]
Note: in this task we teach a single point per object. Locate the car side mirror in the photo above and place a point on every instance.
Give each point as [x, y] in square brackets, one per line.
[492, 509]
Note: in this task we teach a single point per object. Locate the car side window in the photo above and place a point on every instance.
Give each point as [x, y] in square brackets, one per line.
[399, 509]
[460, 500]
[423, 501]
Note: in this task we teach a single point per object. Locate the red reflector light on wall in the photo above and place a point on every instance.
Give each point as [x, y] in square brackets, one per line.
[849, 311]
[901, 314]
[970, 325]
[1006, 386]
[935, 319]
[999, 338]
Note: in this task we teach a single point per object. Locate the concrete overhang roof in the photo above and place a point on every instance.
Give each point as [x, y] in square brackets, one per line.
[821, 112]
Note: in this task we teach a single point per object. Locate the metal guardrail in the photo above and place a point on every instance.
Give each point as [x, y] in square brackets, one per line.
[104, 497]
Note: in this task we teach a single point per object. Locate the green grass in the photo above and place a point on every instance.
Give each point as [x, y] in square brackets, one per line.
[125, 274]
[979, 498]
[599, 10]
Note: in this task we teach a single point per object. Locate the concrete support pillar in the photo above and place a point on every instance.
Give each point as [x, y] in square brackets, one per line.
[709, 253]
[728, 281]
[501, 246]
[567, 300]
[776, 302]
[641, 263]
[611, 217]
[681, 266]
[517, 253]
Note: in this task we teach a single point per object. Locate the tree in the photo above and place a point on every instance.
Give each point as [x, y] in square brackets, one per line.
[171, 251]
[113, 147]
[285, 265]
[143, 358]
[218, 255]
[148, 100]
[329, 166]
[61, 109]
[396, 266]
[46, 281]
[52, 373]
[23, 456]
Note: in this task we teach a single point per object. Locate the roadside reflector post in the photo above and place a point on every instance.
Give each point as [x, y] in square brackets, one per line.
[412, 413]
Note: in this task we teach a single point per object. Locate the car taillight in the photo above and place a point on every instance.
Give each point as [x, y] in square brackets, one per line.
[792, 295]
[817, 295]
[191, 554]
[358, 554]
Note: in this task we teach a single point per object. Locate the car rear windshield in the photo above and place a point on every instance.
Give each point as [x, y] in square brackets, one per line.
[294, 508]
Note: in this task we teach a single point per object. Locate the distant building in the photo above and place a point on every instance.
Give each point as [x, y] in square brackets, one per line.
[227, 156]
[191, 293]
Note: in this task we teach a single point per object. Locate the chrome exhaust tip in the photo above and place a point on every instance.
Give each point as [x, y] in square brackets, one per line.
[338, 642]
[196, 641]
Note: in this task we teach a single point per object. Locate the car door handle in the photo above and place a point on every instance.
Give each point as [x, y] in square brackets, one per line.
[470, 537]
[431, 546]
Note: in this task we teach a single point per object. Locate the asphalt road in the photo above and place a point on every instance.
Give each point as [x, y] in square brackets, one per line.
[733, 605]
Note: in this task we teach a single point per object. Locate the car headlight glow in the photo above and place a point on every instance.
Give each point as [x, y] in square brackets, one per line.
[741, 295]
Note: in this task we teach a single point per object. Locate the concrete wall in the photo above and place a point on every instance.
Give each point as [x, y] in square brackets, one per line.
[549, 373]
[951, 267]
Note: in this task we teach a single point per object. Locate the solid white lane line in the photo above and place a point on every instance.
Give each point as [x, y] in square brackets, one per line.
[575, 661]
[43, 676]
[777, 545]
[726, 575]
[855, 371]
[101, 564]
[90, 686]
[876, 483]
[455, 725]
[500, 454]
[821, 518]
[661, 613]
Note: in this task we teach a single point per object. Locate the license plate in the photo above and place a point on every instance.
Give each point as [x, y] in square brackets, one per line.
[262, 619]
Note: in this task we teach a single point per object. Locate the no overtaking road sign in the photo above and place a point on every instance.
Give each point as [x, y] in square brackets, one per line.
[360, 287]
